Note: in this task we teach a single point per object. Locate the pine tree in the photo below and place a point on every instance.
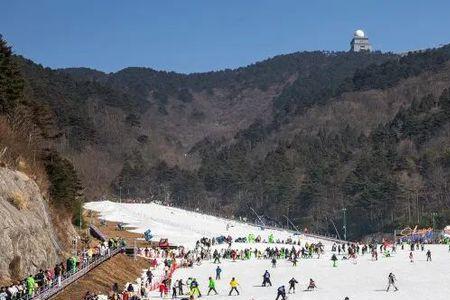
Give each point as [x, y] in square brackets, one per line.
[11, 81]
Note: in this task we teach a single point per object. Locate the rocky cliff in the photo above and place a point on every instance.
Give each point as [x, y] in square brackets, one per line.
[27, 239]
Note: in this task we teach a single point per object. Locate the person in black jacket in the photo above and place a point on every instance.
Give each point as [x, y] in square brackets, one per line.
[281, 291]
[180, 287]
[428, 255]
[266, 279]
[130, 288]
[391, 281]
[149, 276]
[292, 284]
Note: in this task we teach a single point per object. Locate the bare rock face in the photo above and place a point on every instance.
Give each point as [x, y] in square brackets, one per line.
[27, 240]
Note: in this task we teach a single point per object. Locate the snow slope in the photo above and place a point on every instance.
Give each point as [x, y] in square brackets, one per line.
[181, 227]
[365, 280]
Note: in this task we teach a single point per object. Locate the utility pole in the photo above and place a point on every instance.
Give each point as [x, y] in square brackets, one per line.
[257, 216]
[345, 223]
[81, 216]
[292, 224]
[434, 215]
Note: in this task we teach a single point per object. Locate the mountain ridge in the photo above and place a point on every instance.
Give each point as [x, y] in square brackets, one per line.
[280, 135]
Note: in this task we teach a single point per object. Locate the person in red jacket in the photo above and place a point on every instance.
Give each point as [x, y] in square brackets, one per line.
[162, 288]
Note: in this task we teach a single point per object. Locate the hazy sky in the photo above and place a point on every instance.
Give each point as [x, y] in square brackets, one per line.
[194, 35]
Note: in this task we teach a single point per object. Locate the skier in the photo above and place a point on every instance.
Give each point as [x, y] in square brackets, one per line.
[218, 271]
[281, 291]
[334, 259]
[274, 262]
[233, 284]
[411, 257]
[194, 288]
[174, 289]
[211, 286]
[162, 288]
[266, 279]
[180, 287]
[292, 284]
[216, 257]
[149, 276]
[391, 281]
[428, 255]
[311, 286]
[294, 261]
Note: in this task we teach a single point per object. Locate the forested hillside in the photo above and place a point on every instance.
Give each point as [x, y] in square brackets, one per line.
[28, 135]
[304, 135]
[40, 191]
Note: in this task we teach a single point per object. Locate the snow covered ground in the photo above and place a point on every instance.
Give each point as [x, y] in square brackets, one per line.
[181, 227]
[365, 280]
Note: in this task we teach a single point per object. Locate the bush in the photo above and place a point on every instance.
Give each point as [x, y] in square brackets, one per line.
[15, 269]
[18, 200]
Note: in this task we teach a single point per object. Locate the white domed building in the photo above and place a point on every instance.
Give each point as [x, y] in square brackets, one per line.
[360, 42]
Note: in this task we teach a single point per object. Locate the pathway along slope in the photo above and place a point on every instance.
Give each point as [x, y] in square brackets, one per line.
[54, 289]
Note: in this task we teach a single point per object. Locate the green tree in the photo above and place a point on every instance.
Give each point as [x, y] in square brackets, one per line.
[11, 81]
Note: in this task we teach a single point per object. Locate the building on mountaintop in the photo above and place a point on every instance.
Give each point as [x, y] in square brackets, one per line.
[360, 42]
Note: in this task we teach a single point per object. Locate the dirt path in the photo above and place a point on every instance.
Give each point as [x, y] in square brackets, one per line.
[120, 269]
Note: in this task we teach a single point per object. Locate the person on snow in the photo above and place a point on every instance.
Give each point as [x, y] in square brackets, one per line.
[411, 257]
[391, 281]
[174, 289]
[266, 279]
[130, 290]
[144, 292]
[195, 288]
[428, 255]
[281, 292]
[292, 284]
[216, 257]
[162, 288]
[149, 276]
[211, 286]
[180, 287]
[311, 286]
[218, 271]
[274, 262]
[233, 284]
[294, 261]
[334, 260]
[188, 282]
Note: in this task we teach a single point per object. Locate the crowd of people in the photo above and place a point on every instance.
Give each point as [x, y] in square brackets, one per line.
[163, 262]
[53, 277]
[339, 251]
[159, 277]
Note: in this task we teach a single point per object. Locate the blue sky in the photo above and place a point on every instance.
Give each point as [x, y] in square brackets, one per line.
[195, 36]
